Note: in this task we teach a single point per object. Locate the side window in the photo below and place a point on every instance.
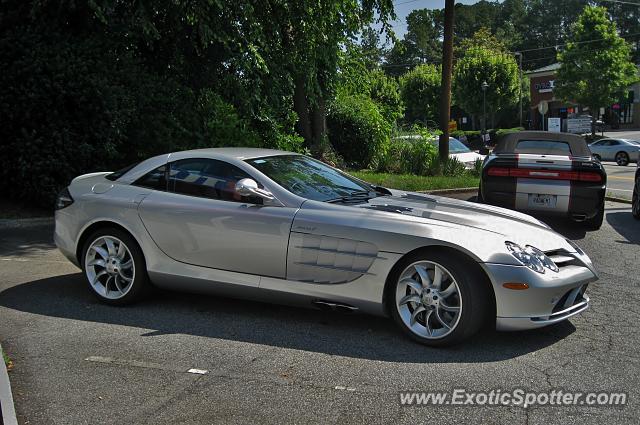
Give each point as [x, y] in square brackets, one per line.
[614, 142]
[156, 179]
[208, 178]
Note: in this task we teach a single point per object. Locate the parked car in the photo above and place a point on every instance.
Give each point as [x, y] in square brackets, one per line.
[285, 228]
[622, 151]
[462, 153]
[545, 173]
[635, 201]
[457, 150]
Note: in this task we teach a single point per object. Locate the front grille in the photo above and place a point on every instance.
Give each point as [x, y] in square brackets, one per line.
[573, 297]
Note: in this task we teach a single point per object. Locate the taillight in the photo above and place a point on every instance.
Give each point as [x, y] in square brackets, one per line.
[532, 173]
[498, 172]
[64, 199]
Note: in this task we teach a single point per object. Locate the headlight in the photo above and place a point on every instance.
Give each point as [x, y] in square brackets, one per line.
[531, 257]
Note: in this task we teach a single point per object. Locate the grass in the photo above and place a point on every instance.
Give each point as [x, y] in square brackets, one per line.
[414, 183]
[7, 361]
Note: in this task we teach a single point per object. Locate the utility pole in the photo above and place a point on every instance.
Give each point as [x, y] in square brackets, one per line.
[519, 54]
[484, 86]
[445, 88]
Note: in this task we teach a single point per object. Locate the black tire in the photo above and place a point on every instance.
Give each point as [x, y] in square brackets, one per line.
[622, 159]
[479, 198]
[595, 222]
[475, 293]
[140, 285]
[635, 202]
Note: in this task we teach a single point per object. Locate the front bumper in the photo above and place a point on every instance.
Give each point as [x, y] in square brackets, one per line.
[551, 297]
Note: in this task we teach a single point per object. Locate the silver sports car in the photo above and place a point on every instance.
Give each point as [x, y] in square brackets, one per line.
[285, 228]
[622, 151]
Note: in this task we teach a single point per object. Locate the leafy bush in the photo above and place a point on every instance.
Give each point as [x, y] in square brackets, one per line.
[76, 105]
[357, 130]
[406, 157]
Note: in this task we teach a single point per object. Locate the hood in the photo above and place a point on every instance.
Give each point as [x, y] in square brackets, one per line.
[510, 225]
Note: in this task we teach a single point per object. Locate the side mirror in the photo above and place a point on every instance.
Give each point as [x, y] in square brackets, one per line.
[249, 187]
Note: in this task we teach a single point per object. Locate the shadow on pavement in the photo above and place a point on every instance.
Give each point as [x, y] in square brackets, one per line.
[26, 240]
[625, 225]
[357, 336]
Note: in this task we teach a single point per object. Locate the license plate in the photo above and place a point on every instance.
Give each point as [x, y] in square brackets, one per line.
[542, 201]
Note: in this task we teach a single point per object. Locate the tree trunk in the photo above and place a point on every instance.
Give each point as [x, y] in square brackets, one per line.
[318, 124]
[301, 107]
[445, 88]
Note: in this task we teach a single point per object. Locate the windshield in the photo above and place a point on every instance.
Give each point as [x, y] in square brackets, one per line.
[308, 178]
[455, 145]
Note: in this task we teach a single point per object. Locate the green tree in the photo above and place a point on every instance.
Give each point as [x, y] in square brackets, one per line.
[497, 68]
[420, 92]
[385, 92]
[421, 43]
[594, 73]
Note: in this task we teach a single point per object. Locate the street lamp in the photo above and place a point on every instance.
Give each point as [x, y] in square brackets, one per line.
[484, 107]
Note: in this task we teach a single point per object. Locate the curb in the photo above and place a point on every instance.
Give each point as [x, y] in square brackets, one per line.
[621, 200]
[8, 411]
[8, 223]
[446, 191]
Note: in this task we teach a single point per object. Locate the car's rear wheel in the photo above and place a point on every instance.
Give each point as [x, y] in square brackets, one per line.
[622, 158]
[114, 267]
[595, 222]
[436, 299]
[635, 202]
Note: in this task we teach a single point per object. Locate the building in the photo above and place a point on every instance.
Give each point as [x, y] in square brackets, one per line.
[623, 114]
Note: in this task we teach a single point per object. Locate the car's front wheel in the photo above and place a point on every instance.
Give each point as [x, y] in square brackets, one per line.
[114, 266]
[437, 299]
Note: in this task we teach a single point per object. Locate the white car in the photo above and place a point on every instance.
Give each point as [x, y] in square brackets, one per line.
[457, 150]
[622, 151]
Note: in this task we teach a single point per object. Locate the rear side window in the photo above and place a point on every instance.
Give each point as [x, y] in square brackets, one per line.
[156, 179]
[121, 172]
[543, 147]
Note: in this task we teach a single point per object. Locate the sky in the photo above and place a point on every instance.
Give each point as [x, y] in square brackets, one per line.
[404, 7]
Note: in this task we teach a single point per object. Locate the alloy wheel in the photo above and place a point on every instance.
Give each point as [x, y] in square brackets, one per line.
[110, 268]
[428, 300]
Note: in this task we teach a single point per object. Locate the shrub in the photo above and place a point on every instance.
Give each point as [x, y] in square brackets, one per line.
[356, 129]
[76, 105]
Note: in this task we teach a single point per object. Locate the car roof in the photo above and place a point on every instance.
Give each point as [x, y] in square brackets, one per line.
[577, 144]
[234, 153]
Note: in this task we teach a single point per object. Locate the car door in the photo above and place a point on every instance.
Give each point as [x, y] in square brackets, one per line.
[201, 220]
[598, 148]
[612, 147]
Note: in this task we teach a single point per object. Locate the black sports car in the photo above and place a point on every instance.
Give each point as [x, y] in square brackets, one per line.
[545, 173]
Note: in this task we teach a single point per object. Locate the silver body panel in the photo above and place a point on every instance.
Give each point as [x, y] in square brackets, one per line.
[298, 251]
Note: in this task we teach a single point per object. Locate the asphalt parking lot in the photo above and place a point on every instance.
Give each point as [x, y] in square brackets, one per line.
[620, 180]
[273, 364]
